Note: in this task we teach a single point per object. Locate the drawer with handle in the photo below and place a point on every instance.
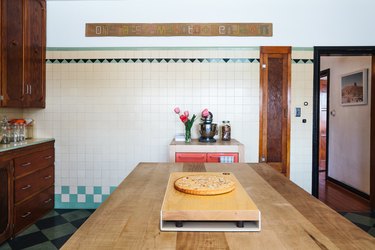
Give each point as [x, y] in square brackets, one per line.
[32, 162]
[32, 183]
[32, 209]
[190, 157]
[217, 157]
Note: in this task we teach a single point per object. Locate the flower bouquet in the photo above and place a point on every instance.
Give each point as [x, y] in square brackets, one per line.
[187, 122]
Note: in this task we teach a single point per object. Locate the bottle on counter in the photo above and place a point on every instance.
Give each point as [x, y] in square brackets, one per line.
[225, 131]
[29, 128]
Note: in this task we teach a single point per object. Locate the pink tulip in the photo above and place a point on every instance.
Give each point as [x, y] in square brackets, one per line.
[205, 113]
[186, 113]
[183, 118]
[177, 110]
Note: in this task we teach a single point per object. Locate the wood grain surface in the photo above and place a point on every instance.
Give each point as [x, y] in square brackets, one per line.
[233, 206]
[291, 218]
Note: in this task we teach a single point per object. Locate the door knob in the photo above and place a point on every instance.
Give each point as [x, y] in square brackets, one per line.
[333, 112]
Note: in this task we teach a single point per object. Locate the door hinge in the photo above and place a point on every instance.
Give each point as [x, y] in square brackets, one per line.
[264, 66]
[1, 98]
[263, 159]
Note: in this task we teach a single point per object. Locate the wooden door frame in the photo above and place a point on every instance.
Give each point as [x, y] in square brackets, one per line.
[341, 51]
[326, 73]
[263, 96]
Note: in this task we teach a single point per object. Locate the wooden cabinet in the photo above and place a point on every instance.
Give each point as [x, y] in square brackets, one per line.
[23, 44]
[6, 199]
[29, 172]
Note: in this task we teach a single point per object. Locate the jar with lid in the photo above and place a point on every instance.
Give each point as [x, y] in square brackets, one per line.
[225, 131]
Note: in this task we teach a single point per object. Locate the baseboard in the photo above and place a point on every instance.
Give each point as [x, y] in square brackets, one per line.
[351, 189]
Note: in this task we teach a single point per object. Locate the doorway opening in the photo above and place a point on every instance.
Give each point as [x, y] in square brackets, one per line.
[329, 170]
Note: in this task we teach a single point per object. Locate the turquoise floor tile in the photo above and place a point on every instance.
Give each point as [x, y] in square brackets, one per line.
[364, 220]
[52, 213]
[76, 215]
[372, 231]
[42, 246]
[32, 229]
[59, 231]
[5, 246]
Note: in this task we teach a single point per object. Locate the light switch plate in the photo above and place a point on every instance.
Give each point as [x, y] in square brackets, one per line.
[298, 112]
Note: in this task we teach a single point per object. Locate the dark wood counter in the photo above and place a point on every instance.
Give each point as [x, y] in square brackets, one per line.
[291, 218]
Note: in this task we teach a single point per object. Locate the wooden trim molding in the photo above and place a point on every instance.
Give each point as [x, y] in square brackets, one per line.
[275, 50]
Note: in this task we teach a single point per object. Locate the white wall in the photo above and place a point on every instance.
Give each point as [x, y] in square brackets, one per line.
[349, 129]
[296, 23]
[108, 117]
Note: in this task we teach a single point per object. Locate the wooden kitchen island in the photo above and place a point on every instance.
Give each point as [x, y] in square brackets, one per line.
[291, 218]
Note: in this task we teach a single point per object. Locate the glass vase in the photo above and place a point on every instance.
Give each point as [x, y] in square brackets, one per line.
[187, 134]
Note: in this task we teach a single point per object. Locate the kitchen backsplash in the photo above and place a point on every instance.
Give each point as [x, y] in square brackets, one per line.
[109, 110]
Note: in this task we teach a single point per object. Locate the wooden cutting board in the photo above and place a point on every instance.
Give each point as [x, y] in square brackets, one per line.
[233, 211]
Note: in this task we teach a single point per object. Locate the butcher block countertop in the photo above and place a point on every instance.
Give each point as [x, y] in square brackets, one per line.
[291, 218]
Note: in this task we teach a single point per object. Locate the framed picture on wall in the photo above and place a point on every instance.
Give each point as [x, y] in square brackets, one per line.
[354, 88]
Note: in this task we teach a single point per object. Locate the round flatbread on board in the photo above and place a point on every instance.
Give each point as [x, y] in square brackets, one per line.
[204, 184]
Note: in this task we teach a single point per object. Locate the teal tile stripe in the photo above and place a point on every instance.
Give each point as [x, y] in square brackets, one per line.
[166, 60]
[74, 205]
[88, 195]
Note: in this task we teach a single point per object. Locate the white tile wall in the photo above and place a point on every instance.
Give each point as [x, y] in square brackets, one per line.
[301, 133]
[108, 117]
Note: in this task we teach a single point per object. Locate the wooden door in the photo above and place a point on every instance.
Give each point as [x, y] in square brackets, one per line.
[6, 200]
[34, 61]
[274, 139]
[13, 91]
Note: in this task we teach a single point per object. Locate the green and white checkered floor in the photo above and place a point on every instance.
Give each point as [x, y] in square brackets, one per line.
[50, 232]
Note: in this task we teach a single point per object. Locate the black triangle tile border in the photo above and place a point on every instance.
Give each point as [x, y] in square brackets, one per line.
[165, 60]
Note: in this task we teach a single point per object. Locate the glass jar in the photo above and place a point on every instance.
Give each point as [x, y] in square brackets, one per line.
[22, 132]
[30, 130]
[4, 131]
[15, 133]
[225, 131]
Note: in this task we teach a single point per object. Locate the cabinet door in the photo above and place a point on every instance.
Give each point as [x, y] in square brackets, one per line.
[34, 60]
[12, 88]
[190, 157]
[6, 200]
[215, 157]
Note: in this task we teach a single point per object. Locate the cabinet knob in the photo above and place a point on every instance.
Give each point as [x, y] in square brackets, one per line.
[26, 164]
[47, 177]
